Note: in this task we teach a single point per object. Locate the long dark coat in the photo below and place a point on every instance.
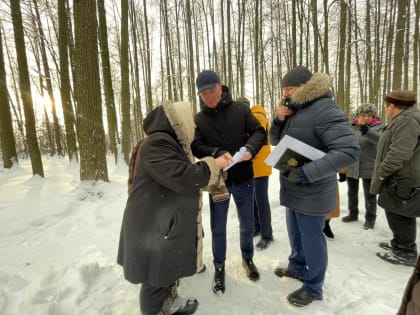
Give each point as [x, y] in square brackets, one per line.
[320, 123]
[159, 230]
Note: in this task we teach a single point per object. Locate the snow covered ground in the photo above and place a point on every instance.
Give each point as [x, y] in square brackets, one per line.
[59, 239]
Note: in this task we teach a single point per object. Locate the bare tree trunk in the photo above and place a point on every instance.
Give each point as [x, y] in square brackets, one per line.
[65, 88]
[346, 104]
[342, 54]
[325, 55]
[57, 128]
[107, 79]
[125, 85]
[25, 90]
[314, 10]
[369, 62]
[416, 46]
[7, 137]
[90, 129]
[407, 47]
[148, 62]
[190, 58]
[399, 52]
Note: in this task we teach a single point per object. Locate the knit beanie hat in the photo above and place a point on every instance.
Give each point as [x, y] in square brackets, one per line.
[206, 80]
[367, 109]
[296, 77]
[401, 98]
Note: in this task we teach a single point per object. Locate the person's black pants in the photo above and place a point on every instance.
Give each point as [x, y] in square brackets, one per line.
[353, 198]
[404, 231]
[262, 210]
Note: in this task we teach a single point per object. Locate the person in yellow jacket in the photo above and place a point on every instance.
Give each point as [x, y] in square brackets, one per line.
[262, 210]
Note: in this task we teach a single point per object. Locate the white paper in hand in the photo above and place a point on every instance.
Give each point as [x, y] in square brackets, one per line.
[236, 158]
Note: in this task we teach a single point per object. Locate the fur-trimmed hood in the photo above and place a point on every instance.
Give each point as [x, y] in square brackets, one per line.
[318, 85]
[175, 119]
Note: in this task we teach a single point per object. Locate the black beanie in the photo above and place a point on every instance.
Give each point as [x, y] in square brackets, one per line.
[296, 77]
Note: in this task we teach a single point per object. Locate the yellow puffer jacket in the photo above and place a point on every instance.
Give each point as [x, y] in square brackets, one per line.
[261, 169]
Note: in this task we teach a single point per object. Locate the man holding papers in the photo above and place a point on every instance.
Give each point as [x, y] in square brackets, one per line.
[225, 127]
[318, 143]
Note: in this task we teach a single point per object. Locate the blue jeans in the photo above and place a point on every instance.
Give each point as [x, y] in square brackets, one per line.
[309, 256]
[262, 211]
[243, 195]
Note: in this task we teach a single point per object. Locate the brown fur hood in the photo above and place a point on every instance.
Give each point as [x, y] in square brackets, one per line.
[318, 85]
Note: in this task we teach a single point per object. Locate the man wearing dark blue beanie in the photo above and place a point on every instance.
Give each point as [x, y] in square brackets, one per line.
[215, 137]
[308, 188]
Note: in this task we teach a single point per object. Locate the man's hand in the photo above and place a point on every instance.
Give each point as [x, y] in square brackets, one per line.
[222, 161]
[283, 111]
[247, 156]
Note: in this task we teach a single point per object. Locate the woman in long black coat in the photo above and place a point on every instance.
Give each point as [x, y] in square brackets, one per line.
[158, 242]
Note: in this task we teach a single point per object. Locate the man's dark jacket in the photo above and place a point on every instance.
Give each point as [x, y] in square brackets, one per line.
[226, 128]
[320, 123]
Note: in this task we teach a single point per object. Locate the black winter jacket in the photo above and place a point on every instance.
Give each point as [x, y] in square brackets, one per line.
[227, 128]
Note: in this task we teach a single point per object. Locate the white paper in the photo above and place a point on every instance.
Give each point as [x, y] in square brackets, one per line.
[289, 142]
[237, 157]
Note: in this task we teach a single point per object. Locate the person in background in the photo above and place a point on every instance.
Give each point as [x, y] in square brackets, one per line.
[308, 190]
[396, 176]
[224, 127]
[262, 171]
[368, 128]
[158, 241]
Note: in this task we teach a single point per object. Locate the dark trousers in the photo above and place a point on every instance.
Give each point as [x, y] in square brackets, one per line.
[404, 231]
[309, 256]
[262, 210]
[243, 195]
[151, 299]
[353, 198]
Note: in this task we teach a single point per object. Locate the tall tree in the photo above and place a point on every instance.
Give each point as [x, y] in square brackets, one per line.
[48, 81]
[90, 129]
[125, 83]
[7, 137]
[190, 75]
[416, 47]
[342, 54]
[65, 87]
[147, 60]
[107, 79]
[25, 90]
[314, 10]
[399, 51]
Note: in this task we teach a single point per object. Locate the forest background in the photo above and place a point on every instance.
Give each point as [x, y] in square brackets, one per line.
[77, 77]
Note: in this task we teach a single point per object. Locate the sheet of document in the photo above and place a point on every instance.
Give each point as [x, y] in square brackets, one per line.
[236, 158]
[289, 142]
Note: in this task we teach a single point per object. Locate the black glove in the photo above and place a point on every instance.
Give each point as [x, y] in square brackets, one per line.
[342, 177]
[294, 175]
[363, 129]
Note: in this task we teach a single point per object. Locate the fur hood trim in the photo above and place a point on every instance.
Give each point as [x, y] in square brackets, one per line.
[318, 85]
[181, 119]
